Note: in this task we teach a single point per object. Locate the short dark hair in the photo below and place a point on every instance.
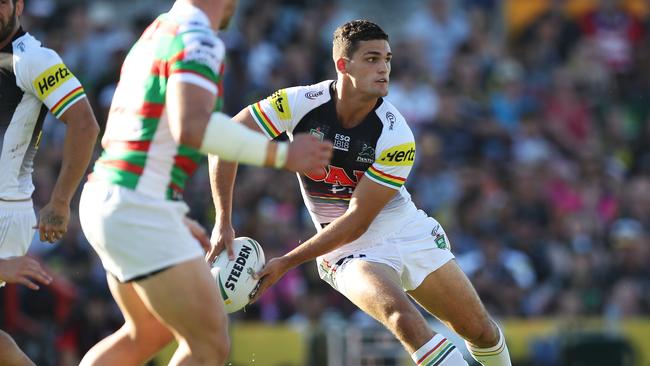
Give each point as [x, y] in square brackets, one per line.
[347, 37]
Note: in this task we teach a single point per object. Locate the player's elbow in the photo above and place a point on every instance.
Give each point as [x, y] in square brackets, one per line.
[86, 127]
[92, 127]
[189, 134]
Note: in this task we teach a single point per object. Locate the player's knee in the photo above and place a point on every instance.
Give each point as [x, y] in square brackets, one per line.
[210, 349]
[402, 321]
[482, 334]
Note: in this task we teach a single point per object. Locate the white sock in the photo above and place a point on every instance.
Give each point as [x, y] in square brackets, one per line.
[497, 355]
[438, 352]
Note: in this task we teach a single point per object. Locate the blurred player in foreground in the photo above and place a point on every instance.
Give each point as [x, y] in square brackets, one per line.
[162, 120]
[33, 80]
[373, 245]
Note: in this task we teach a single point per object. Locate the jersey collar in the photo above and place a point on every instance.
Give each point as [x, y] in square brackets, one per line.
[9, 46]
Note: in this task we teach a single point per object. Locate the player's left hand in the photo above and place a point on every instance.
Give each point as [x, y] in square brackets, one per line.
[198, 232]
[53, 221]
[269, 275]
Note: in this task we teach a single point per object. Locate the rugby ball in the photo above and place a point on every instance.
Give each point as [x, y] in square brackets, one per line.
[235, 278]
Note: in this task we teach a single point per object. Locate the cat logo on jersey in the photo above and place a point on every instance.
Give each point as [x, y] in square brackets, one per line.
[400, 155]
[50, 79]
[280, 103]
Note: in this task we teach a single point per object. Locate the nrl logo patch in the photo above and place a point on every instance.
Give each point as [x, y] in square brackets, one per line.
[317, 133]
[439, 238]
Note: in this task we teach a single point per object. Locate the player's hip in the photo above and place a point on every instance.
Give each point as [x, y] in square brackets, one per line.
[17, 221]
[133, 234]
[416, 246]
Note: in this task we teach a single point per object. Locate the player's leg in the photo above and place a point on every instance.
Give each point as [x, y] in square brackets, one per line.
[16, 222]
[448, 294]
[186, 299]
[10, 354]
[376, 289]
[138, 340]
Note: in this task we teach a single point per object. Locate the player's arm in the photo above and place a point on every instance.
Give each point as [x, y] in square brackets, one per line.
[222, 182]
[80, 137]
[368, 199]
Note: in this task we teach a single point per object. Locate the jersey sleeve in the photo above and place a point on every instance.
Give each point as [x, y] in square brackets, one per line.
[197, 58]
[278, 113]
[394, 156]
[43, 74]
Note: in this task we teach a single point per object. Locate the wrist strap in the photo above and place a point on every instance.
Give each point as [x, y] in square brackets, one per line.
[281, 155]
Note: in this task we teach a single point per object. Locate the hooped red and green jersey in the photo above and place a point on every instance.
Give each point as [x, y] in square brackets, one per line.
[139, 150]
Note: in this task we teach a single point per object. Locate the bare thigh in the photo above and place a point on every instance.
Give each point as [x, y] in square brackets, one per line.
[185, 298]
[375, 288]
[448, 294]
[139, 323]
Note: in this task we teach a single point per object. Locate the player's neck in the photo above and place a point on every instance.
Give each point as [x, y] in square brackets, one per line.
[351, 106]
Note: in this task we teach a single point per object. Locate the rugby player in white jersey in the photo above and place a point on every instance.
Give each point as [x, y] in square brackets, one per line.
[33, 80]
[164, 117]
[373, 245]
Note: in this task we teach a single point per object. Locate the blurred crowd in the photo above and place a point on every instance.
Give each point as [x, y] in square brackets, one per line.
[533, 152]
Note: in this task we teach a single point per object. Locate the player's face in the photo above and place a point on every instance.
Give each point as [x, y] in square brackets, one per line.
[369, 67]
[8, 18]
[228, 11]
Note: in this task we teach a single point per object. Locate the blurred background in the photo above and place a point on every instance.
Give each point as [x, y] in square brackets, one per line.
[532, 121]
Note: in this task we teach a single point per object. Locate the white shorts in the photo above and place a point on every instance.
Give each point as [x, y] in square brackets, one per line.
[416, 247]
[135, 235]
[17, 221]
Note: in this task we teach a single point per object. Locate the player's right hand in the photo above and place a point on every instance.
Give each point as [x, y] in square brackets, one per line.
[198, 232]
[308, 155]
[222, 237]
[23, 270]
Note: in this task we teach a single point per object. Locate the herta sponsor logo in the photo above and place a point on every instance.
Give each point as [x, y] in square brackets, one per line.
[400, 155]
[366, 155]
[280, 103]
[238, 267]
[341, 142]
[313, 94]
[391, 120]
[50, 80]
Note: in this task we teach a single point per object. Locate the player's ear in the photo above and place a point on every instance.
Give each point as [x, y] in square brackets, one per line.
[19, 7]
[341, 65]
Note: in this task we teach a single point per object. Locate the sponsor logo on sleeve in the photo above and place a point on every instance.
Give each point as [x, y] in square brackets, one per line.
[313, 94]
[280, 102]
[51, 79]
[400, 155]
[203, 50]
[391, 120]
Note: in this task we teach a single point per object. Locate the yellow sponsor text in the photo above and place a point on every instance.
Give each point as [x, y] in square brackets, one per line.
[400, 155]
[51, 79]
[280, 103]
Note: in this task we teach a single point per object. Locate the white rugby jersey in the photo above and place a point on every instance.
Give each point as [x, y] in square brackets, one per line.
[33, 79]
[380, 148]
